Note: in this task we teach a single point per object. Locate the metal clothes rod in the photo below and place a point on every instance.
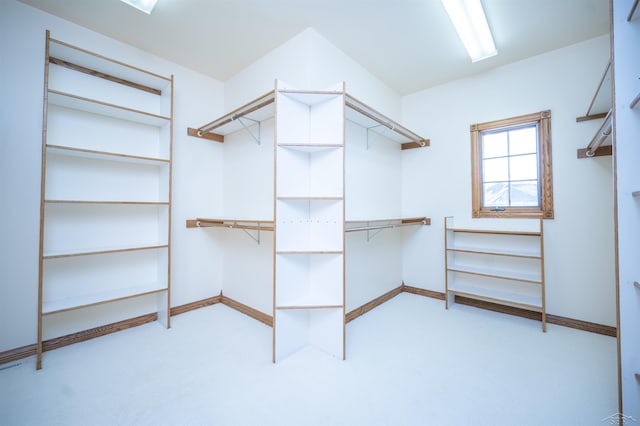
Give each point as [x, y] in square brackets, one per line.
[254, 105]
[387, 226]
[595, 95]
[233, 224]
[378, 117]
[601, 135]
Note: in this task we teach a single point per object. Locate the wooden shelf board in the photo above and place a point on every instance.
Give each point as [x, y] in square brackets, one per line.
[94, 106]
[287, 252]
[79, 302]
[494, 252]
[513, 299]
[91, 252]
[104, 65]
[309, 147]
[310, 97]
[309, 198]
[495, 232]
[493, 273]
[112, 202]
[307, 307]
[105, 155]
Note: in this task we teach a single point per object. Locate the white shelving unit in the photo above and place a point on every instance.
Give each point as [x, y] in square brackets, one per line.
[626, 140]
[499, 266]
[106, 184]
[309, 205]
[309, 222]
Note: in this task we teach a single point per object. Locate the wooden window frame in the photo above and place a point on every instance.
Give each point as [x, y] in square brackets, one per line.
[545, 211]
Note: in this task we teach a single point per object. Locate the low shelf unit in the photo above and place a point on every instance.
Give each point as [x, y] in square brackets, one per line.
[499, 266]
[106, 186]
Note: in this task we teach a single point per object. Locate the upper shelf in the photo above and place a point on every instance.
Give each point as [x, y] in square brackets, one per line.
[263, 108]
[70, 56]
[80, 103]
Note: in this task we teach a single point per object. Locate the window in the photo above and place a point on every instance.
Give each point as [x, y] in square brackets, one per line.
[511, 167]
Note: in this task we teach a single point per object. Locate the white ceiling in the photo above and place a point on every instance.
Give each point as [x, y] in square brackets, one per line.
[408, 44]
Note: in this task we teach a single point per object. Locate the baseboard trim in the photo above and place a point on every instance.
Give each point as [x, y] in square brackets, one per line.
[422, 292]
[81, 336]
[372, 304]
[591, 327]
[247, 310]
[181, 309]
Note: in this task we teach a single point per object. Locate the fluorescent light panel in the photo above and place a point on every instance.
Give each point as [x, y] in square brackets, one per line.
[144, 5]
[471, 24]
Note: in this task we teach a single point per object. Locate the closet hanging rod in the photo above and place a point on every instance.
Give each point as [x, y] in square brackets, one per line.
[595, 95]
[367, 111]
[254, 105]
[601, 135]
[232, 224]
[635, 101]
[405, 222]
[632, 11]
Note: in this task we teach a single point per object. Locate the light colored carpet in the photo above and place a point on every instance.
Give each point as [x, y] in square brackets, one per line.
[409, 362]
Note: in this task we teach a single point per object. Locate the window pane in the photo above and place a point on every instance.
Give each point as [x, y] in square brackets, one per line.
[494, 145]
[523, 141]
[496, 169]
[495, 194]
[524, 194]
[524, 167]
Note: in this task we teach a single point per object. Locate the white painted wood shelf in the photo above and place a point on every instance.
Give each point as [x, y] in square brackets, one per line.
[498, 266]
[106, 188]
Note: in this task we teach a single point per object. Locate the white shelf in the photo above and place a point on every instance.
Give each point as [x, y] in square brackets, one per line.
[499, 296]
[79, 302]
[311, 97]
[69, 100]
[309, 148]
[115, 202]
[84, 58]
[496, 273]
[495, 252]
[101, 250]
[105, 155]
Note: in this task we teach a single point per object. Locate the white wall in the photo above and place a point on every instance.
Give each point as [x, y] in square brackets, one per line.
[309, 61]
[194, 276]
[579, 250]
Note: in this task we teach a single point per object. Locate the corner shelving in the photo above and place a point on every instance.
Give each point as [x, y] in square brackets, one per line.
[499, 266]
[309, 205]
[106, 184]
[308, 300]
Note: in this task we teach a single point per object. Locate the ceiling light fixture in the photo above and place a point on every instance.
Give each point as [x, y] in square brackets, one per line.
[471, 24]
[144, 5]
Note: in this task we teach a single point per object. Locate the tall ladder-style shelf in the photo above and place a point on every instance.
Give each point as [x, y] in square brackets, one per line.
[309, 228]
[106, 186]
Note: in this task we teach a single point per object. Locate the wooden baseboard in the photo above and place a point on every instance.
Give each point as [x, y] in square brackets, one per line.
[247, 310]
[422, 292]
[81, 336]
[605, 330]
[58, 342]
[177, 310]
[372, 304]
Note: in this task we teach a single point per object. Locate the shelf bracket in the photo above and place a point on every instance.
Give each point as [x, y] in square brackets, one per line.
[241, 121]
[370, 235]
[368, 131]
[255, 238]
